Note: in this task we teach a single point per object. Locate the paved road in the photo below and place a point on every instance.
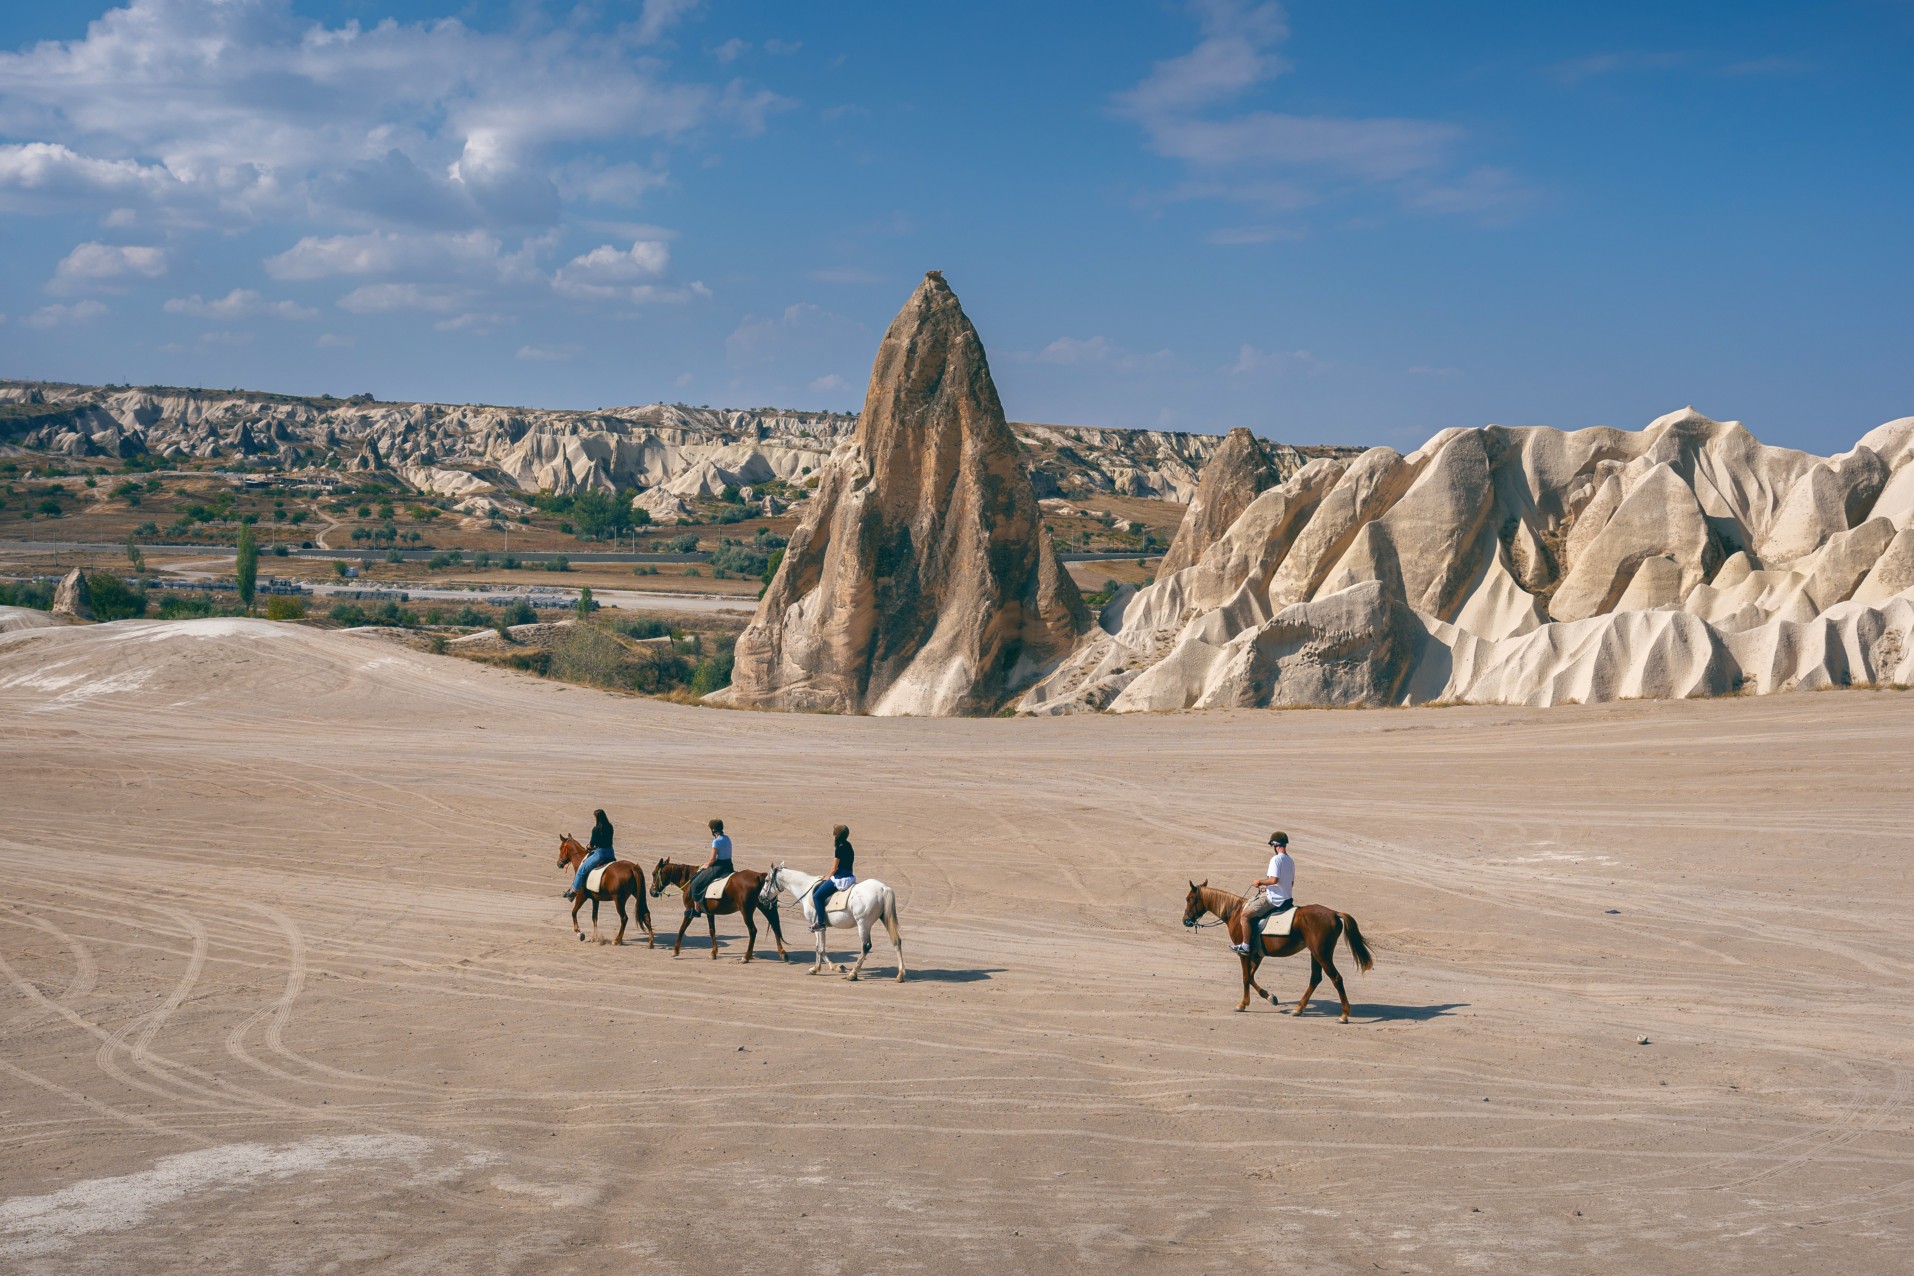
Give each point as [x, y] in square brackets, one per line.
[422, 555]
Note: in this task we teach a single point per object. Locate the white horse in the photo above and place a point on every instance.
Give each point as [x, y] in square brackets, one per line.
[866, 903]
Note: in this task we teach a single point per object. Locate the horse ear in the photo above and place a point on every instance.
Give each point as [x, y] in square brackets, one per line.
[1200, 885]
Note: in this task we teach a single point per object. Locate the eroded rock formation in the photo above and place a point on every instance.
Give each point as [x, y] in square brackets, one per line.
[72, 600]
[1531, 566]
[922, 580]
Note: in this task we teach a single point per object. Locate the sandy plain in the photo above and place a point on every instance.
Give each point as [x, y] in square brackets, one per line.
[286, 984]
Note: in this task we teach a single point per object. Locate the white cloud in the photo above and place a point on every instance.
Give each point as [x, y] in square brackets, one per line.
[96, 265]
[608, 272]
[802, 330]
[830, 383]
[1249, 359]
[1094, 351]
[336, 341]
[389, 252]
[547, 354]
[731, 50]
[782, 48]
[470, 322]
[226, 338]
[659, 16]
[245, 110]
[1186, 107]
[65, 316]
[378, 299]
[240, 303]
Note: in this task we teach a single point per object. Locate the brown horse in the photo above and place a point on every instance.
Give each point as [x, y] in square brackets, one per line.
[741, 895]
[1315, 928]
[619, 882]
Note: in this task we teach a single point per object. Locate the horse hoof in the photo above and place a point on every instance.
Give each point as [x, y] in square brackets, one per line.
[581, 936]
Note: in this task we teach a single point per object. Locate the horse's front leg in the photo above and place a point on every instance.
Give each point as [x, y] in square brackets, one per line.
[595, 934]
[683, 926]
[823, 957]
[750, 932]
[777, 929]
[578, 902]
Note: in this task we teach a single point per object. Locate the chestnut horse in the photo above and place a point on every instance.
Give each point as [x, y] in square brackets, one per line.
[1315, 928]
[741, 895]
[619, 882]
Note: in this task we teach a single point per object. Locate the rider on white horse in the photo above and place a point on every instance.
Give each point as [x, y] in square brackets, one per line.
[840, 878]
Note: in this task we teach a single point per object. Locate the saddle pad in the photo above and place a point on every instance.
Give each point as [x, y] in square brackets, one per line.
[1277, 926]
[716, 889]
[596, 876]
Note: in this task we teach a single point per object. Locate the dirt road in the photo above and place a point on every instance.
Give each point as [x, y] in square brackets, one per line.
[286, 984]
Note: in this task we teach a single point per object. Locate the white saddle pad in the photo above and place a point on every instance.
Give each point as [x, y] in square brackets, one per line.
[716, 889]
[596, 876]
[1277, 925]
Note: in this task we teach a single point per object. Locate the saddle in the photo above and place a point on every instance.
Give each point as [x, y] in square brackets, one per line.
[596, 876]
[715, 891]
[1277, 925]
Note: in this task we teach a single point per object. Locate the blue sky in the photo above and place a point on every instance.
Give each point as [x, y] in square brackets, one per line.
[1338, 222]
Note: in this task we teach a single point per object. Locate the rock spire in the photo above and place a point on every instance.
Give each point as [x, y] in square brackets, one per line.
[922, 580]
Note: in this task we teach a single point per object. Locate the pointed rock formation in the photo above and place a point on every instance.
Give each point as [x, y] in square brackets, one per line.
[922, 580]
[1237, 474]
[73, 599]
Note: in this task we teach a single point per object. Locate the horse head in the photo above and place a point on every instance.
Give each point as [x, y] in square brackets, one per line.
[658, 879]
[569, 851]
[768, 893]
[1193, 906]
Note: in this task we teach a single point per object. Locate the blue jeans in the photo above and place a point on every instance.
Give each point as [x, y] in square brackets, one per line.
[603, 855]
[823, 891]
[694, 893]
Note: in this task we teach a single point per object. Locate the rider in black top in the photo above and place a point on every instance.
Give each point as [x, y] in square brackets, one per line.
[600, 848]
[841, 878]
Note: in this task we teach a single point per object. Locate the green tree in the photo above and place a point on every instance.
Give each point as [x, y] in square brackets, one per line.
[246, 569]
[134, 558]
[585, 603]
[339, 568]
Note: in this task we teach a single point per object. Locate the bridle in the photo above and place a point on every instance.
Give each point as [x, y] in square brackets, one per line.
[1191, 923]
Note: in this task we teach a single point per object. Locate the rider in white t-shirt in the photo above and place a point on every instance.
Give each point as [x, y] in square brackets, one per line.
[1274, 893]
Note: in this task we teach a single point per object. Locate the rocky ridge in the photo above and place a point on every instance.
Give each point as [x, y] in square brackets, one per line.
[921, 581]
[1529, 566]
[674, 452]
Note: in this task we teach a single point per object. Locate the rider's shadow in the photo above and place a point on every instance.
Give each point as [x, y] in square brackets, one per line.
[1410, 1014]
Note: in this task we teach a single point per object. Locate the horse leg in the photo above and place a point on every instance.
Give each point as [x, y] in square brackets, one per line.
[750, 914]
[1315, 977]
[578, 902]
[1248, 969]
[777, 929]
[711, 922]
[823, 957]
[597, 937]
[1335, 976]
[864, 938]
[683, 926]
[620, 901]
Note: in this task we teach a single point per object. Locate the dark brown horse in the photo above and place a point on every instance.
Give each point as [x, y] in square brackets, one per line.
[742, 894]
[1315, 928]
[619, 882]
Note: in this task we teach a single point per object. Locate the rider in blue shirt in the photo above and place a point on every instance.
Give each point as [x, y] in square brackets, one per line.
[717, 866]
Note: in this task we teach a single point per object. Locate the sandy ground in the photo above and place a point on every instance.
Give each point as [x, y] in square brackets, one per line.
[287, 986]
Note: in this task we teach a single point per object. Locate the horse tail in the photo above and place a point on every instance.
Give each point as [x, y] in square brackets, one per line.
[890, 924]
[1353, 933]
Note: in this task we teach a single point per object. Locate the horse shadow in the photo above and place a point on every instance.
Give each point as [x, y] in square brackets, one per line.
[1408, 1014]
[919, 975]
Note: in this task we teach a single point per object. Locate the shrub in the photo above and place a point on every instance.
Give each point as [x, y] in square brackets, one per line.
[282, 607]
[741, 560]
[185, 606]
[148, 528]
[559, 564]
[37, 594]
[394, 556]
[349, 615]
[685, 544]
[643, 627]
[50, 507]
[340, 568]
[713, 672]
[520, 612]
[509, 562]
